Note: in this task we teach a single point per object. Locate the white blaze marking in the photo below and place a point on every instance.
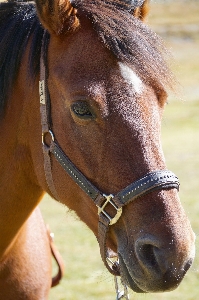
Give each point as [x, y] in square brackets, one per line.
[129, 75]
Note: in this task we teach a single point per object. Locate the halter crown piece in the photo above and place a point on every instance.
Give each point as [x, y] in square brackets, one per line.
[162, 179]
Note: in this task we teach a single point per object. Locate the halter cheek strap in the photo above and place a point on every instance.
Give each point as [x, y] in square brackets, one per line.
[162, 179]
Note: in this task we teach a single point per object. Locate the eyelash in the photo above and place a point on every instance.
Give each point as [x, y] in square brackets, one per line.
[82, 110]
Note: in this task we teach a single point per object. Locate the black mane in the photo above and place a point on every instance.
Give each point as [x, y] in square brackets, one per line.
[18, 21]
[131, 41]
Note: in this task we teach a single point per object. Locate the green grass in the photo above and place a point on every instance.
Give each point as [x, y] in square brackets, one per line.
[85, 276]
[171, 13]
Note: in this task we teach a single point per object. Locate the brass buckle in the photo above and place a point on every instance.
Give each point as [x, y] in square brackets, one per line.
[101, 209]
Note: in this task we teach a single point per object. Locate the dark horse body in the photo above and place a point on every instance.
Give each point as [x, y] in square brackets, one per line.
[107, 81]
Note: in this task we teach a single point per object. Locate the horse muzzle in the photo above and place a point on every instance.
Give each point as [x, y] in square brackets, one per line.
[152, 268]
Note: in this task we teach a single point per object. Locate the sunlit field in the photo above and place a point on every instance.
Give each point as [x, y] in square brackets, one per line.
[85, 276]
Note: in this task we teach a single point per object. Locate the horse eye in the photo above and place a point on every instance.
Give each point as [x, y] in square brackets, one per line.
[82, 110]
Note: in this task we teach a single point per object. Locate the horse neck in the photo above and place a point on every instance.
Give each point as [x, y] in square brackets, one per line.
[19, 189]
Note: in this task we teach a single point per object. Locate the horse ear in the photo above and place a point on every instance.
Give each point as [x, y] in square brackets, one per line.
[57, 16]
[141, 12]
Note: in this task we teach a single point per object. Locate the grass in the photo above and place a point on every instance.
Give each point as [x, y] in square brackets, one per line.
[85, 276]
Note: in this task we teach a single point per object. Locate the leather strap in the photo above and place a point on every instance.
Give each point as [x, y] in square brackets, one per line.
[103, 228]
[55, 253]
[73, 172]
[163, 179]
[44, 119]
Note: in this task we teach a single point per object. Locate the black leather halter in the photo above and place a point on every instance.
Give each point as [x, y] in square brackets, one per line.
[162, 179]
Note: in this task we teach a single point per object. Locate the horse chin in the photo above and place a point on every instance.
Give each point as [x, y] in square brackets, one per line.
[126, 278]
[166, 283]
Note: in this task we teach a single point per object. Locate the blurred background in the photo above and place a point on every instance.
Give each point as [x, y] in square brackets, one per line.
[85, 276]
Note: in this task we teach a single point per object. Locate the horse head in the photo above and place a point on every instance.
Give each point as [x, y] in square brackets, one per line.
[107, 83]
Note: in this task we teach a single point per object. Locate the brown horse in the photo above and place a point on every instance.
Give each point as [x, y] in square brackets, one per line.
[102, 85]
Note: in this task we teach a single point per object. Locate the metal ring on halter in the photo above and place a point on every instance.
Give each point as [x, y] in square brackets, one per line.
[43, 138]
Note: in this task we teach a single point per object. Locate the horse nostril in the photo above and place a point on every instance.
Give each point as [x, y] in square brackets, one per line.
[149, 254]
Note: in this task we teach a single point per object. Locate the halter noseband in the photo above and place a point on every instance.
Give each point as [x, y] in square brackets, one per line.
[162, 179]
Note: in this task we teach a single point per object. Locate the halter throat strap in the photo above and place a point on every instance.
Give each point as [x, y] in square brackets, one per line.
[161, 179]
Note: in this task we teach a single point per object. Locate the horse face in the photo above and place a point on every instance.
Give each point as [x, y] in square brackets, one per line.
[107, 120]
